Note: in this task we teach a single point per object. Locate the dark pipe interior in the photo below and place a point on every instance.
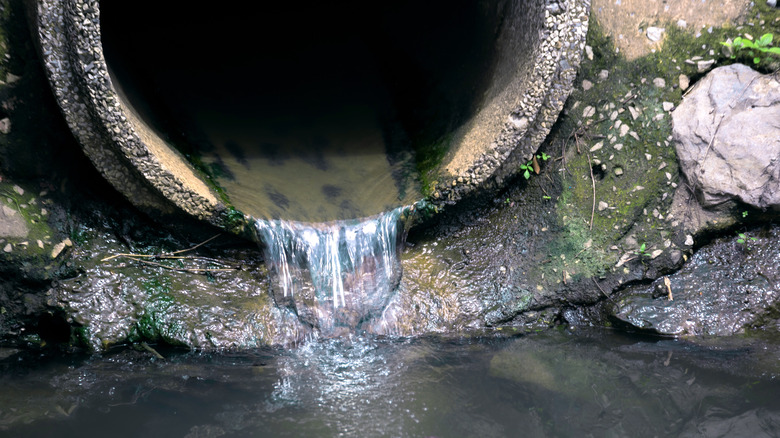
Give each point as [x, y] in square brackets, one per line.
[419, 67]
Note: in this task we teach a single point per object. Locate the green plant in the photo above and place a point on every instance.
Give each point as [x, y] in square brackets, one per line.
[533, 165]
[527, 168]
[753, 48]
[642, 251]
[743, 239]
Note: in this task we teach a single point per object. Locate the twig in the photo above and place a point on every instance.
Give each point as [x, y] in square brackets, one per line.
[593, 184]
[196, 246]
[165, 255]
[602, 290]
[154, 352]
[188, 270]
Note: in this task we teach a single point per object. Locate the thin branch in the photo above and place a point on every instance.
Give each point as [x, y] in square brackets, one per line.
[593, 184]
[196, 246]
[154, 352]
[602, 290]
[187, 270]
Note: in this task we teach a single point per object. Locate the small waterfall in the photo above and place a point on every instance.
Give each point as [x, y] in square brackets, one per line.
[334, 275]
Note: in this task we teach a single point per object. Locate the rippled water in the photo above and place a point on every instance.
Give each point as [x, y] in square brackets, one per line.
[549, 384]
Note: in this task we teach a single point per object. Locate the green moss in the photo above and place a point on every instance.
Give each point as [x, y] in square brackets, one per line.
[157, 322]
[634, 174]
[32, 209]
[428, 157]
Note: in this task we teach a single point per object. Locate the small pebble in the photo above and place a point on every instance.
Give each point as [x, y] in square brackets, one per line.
[5, 125]
[589, 111]
[704, 66]
[603, 75]
[589, 52]
[654, 33]
[685, 82]
[587, 85]
[668, 106]
[659, 82]
[634, 112]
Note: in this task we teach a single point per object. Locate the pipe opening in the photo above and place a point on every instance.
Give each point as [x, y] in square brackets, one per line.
[315, 111]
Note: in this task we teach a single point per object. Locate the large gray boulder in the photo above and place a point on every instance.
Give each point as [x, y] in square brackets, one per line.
[727, 135]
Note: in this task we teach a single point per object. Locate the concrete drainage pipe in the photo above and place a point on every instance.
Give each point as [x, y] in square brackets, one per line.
[179, 107]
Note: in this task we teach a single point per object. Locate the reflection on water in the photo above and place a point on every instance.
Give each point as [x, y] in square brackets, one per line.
[550, 384]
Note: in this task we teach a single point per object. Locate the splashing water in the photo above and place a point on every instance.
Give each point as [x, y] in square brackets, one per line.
[334, 275]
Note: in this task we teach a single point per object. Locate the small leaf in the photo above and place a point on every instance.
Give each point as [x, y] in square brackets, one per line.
[765, 40]
[642, 248]
[740, 241]
[775, 50]
[527, 174]
[756, 60]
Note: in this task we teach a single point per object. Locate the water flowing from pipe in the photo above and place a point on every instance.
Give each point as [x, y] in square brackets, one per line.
[334, 275]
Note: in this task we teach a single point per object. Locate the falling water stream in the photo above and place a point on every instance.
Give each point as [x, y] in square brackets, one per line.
[334, 275]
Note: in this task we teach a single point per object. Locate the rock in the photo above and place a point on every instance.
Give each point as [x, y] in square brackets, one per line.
[589, 52]
[772, 3]
[659, 82]
[603, 205]
[682, 24]
[588, 111]
[57, 250]
[635, 113]
[587, 85]
[685, 82]
[703, 66]
[668, 106]
[8, 248]
[724, 288]
[12, 223]
[5, 125]
[655, 34]
[603, 75]
[739, 107]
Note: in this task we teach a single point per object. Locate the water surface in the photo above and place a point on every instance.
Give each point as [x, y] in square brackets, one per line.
[549, 384]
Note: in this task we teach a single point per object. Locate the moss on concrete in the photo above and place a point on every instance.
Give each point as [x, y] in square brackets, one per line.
[620, 169]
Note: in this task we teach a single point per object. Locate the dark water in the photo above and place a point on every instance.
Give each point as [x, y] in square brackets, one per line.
[550, 384]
